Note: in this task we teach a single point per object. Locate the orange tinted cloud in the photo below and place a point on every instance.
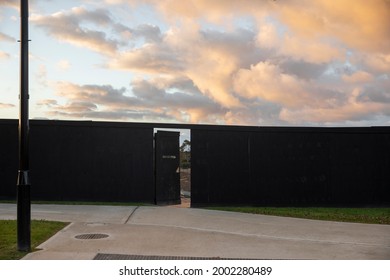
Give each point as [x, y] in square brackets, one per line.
[4, 55]
[359, 24]
[242, 62]
[358, 77]
[267, 82]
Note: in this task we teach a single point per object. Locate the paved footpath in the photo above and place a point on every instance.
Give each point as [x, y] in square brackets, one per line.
[168, 232]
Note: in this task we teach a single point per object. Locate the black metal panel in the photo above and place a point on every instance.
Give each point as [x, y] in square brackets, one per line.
[86, 161]
[8, 158]
[352, 170]
[290, 166]
[221, 159]
[167, 167]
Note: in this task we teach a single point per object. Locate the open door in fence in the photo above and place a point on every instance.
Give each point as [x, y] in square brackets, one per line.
[167, 160]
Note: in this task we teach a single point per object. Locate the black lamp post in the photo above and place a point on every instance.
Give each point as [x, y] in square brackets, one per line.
[23, 181]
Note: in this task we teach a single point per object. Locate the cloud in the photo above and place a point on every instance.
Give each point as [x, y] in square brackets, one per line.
[105, 94]
[352, 112]
[114, 2]
[164, 99]
[266, 81]
[6, 105]
[361, 105]
[89, 101]
[63, 64]
[7, 38]
[106, 102]
[211, 59]
[295, 47]
[150, 58]
[302, 69]
[310, 51]
[94, 29]
[4, 55]
[213, 11]
[68, 27]
[268, 36]
[358, 77]
[376, 62]
[304, 102]
[150, 33]
[207, 58]
[232, 62]
[47, 102]
[357, 24]
[10, 3]
[377, 91]
[41, 75]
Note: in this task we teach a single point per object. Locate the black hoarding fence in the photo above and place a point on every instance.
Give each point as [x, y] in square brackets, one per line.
[9, 158]
[230, 165]
[290, 166]
[82, 161]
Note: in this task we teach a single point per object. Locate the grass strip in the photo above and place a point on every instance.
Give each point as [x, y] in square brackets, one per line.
[355, 215]
[40, 231]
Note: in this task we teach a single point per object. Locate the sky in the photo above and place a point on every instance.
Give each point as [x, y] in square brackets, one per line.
[231, 62]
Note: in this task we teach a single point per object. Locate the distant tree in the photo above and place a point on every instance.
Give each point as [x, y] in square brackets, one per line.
[186, 146]
[185, 154]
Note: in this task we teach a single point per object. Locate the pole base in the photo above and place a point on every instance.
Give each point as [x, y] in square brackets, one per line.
[23, 212]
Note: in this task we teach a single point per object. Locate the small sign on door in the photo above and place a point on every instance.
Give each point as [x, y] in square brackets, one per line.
[169, 156]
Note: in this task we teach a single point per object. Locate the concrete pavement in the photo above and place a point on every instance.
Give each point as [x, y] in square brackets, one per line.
[187, 232]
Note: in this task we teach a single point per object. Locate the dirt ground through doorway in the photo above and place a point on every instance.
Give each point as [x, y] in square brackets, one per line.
[185, 188]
